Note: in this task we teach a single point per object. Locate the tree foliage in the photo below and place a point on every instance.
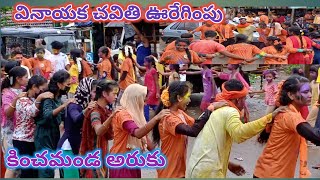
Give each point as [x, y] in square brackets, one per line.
[3, 18]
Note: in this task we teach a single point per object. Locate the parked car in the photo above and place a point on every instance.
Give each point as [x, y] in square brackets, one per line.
[27, 36]
[174, 31]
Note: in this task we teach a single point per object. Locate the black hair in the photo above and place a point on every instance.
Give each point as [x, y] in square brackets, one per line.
[233, 85]
[292, 85]
[150, 60]
[176, 88]
[10, 64]
[187, 49]
[241, 38]
[210, 34]
[115, 57]
[154, 54]
[3, 63]
[295, 71]
[15, 45]
[278, 47]
[105, 86]
[40, 50]
[104, 50]
[298, 32]
[60, 76]
[43, 42]
[57, 45]
[314, 68]
[129, 43]
[75, 54]
[94, 83]
[14, 73]
[176, 67]
[36, 80]
[14, 53]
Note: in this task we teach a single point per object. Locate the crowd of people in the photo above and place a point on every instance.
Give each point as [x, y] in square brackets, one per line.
[53, 101]
[279, 41]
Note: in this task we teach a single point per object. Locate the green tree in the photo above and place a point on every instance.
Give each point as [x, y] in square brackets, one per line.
[4, 19]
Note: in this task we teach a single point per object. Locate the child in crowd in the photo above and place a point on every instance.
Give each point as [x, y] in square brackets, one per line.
[76, 71]
[151, 82]
[173, 74]
[96, 130]
[105, 66]
[209, 86]
[270, 89]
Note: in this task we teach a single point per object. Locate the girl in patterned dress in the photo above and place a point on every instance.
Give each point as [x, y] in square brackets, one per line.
[26, 110]
[270, 89]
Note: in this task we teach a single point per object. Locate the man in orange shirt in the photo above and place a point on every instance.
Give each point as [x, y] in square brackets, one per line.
[181, 55]
[105, 66]
[226, 31]
[172, 45]
[248, 51]
[17, 55]
[263, 31]
[40, 65]
[206, 27]
[275, 47]
[208, 47]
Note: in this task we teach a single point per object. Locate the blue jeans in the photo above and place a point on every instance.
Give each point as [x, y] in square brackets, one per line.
[147, 112]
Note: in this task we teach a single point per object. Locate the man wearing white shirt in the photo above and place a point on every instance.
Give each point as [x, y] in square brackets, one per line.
[58, 59]
[237, 19]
